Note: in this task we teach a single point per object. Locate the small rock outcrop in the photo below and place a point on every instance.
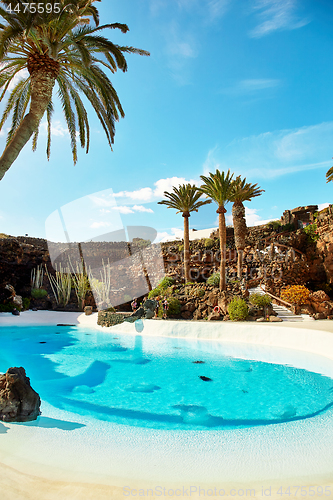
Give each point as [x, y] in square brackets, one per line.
[18, 401]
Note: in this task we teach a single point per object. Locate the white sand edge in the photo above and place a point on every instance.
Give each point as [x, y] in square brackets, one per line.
[314, 337]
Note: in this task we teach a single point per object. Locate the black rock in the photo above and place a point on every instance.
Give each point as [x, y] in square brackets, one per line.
[205, 379]
[18, 401]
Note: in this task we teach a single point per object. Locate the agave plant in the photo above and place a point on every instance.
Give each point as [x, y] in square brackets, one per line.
[60, 45]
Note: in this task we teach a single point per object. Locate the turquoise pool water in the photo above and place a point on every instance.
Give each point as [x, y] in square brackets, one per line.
[162, 383]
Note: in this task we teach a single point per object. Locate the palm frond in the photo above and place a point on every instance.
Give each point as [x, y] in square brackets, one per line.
[66, 102]
[75, 40]
[243, 191]
[329, 175]
[217, 186]
[184, 198]
[49, 113]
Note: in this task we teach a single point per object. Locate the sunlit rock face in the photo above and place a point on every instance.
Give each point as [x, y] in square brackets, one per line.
[18, 401]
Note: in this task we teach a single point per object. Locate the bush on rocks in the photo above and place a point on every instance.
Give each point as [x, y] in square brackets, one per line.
[295, 294]
[238, 309]
[260, 301]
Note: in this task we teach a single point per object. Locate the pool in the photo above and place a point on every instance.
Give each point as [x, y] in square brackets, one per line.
[162, 383]
[113, 413]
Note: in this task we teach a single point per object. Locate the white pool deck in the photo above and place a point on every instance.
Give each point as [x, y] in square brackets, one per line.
[65, 456]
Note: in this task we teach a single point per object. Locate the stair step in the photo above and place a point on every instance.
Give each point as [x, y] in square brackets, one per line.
[283, 312]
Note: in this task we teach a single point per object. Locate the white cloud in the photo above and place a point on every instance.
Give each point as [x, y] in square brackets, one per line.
[148, 194]
[140, 208]
[167, 184]
[210, 164]
[144, 194]
[23, 74]
[176, 234]
[123, 210]
[273, 154]
[58, 128]
[105, 200]
[276, 15]
[321, 206]
[216, 8]
[96, 225]
[209, 9]
[251, 86]
[181, 47]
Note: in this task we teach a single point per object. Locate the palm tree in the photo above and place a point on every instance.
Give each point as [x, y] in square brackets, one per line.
[59, 44]
[329, 175]
[241, 191]
[185, 199]
[217, 187]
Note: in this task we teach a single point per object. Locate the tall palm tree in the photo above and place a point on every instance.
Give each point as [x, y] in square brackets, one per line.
[60, 43]
[241, 191]
[185, 199]
[217, 187]
[329, 175]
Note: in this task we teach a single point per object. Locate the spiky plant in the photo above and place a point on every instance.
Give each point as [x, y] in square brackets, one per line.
[185, 199]
[241, 191]
[61, 45]
[217, 188]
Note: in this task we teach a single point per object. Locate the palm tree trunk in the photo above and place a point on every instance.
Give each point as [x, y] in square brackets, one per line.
[240, 232]
[186, 215]
[41, 92]
[223, 243]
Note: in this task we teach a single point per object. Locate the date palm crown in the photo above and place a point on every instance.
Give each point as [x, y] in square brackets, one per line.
[61, 42]
[185, 199]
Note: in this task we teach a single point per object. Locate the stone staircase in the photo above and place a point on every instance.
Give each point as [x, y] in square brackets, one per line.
[283, 312]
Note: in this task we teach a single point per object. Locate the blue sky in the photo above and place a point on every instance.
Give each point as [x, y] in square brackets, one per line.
[239, 84]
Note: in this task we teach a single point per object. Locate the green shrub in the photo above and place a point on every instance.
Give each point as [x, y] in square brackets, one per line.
[10, 306]
[214, 279]
[38, 293]
[194, 291]
[155, 293]
[288, 227]
[166, 282]
[234, 281]
[274, 224]
[25, 303]
[238, 309]
[311, 232]
[208, 243]
[163, 288]
[7, 307]
[174, 307]
[260, 301]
